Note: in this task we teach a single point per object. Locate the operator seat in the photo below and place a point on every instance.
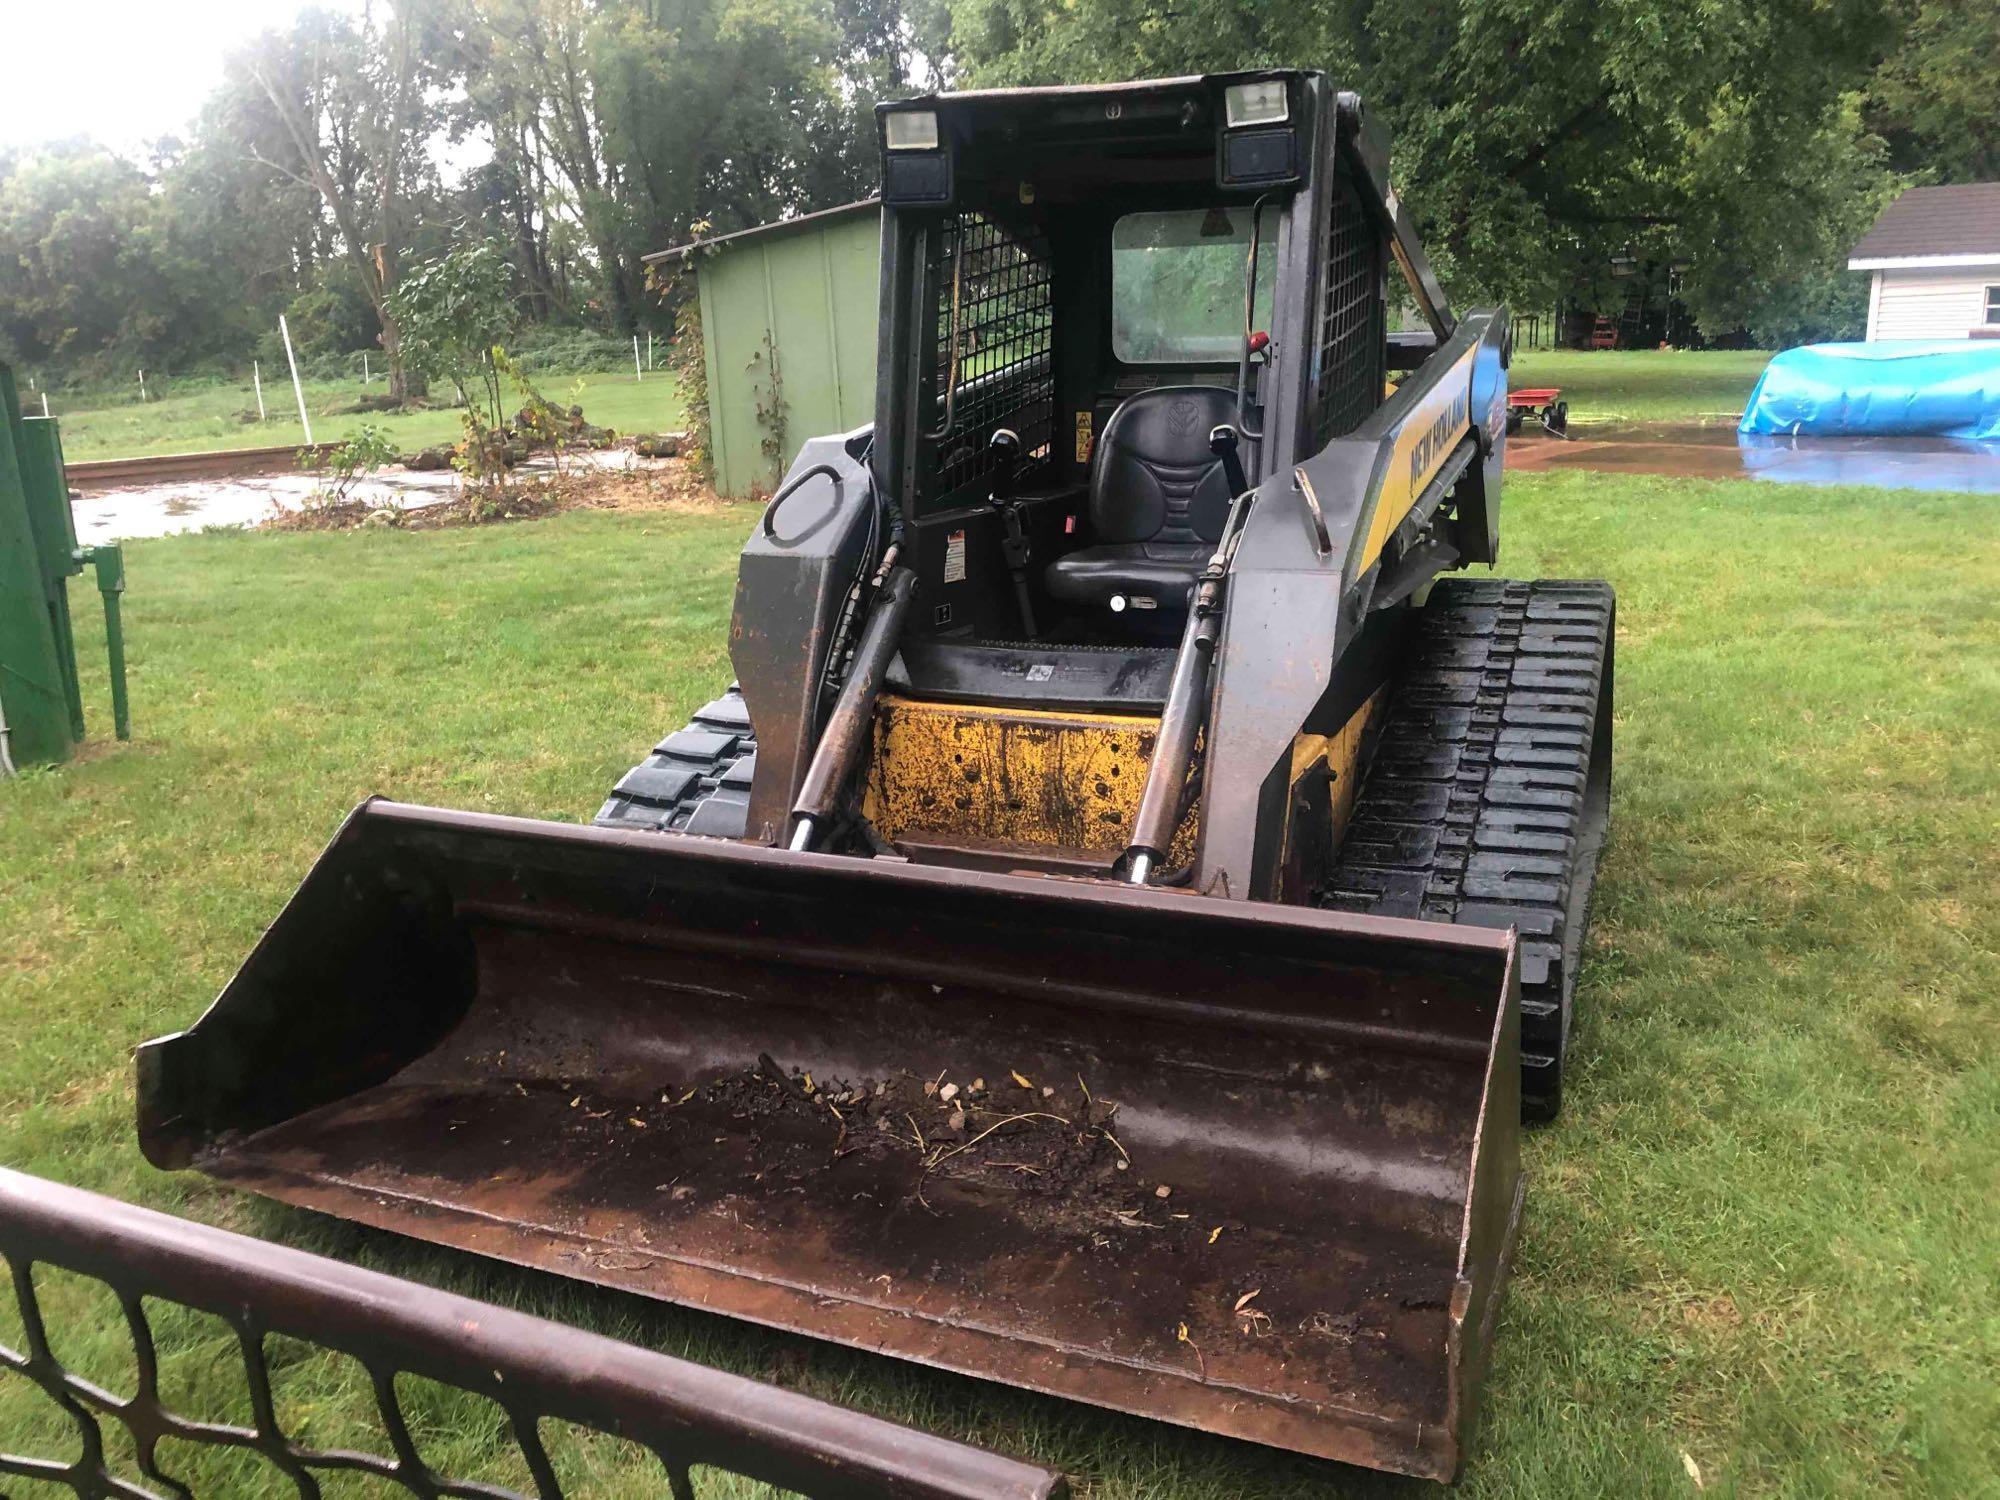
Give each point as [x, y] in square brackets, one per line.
[1158, 501]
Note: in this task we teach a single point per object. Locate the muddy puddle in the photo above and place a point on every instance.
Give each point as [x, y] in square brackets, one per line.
[1693, 451]
[166, 506]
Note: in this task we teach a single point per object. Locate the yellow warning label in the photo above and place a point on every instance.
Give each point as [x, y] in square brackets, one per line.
[1083, 437]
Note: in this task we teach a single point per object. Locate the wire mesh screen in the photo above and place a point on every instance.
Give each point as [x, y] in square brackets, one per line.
[215, 1360]
[992, 366]
[1349, 382]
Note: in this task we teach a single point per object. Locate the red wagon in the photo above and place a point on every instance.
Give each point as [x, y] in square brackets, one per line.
[1544, 403]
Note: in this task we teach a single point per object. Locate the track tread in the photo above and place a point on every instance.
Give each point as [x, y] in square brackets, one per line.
[697, 780]
[1486, 798]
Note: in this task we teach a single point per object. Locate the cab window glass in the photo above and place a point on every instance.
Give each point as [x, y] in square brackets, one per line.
[1177, 285]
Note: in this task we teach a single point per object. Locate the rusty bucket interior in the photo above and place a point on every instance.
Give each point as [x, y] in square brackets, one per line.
[1243, 1167]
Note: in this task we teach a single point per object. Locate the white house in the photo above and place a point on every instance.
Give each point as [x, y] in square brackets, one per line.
[1934, 264]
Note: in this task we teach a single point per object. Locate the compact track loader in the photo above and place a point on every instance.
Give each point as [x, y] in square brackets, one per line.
[1108, 941]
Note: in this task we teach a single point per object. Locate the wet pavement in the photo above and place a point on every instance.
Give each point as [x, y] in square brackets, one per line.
[167, 506]
[1687, 450]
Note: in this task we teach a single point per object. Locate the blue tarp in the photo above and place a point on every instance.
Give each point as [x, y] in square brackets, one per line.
[1898, 463]
[1906, 388]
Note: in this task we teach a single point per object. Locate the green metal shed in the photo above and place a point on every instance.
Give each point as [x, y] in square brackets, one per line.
[788, 321]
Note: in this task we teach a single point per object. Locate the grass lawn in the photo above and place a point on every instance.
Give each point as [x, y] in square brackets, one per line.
[1614, 387]
[1762, 1241]
[1644, 385]
[210, 417]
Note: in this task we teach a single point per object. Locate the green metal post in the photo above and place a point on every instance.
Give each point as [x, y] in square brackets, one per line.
[110, 562]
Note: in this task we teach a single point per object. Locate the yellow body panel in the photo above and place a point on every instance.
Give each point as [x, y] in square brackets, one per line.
[954, 772]
[1337, 757]
[1426, 440]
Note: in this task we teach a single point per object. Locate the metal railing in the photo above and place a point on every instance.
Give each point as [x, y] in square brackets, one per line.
[534, 1370]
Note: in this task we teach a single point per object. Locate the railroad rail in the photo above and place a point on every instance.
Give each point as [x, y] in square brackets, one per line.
[218, 463]
[685, 1414]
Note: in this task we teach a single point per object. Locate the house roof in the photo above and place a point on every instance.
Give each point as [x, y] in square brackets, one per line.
[778, 227]
[1955, 225]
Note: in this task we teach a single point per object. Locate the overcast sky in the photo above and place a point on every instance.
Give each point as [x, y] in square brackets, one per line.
[122, 71]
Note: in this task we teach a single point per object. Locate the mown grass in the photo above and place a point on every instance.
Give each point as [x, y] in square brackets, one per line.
[1616, 386]
[208, 417]
[1762, 1241]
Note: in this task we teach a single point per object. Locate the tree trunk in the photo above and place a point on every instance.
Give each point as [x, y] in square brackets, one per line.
[623, 309]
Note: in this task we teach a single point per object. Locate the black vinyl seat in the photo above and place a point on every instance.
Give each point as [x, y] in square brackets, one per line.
[1158, 500]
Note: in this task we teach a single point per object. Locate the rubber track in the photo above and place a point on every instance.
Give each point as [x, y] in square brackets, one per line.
[1486, 800]
[697, 780]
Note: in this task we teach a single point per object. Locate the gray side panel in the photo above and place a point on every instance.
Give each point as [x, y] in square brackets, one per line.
[1293, 608]
[795, 570]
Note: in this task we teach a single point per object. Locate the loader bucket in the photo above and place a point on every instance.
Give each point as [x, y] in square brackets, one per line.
[1243, 1167]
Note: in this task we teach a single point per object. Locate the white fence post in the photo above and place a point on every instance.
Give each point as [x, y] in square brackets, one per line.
[257, 379]
[298, 391]
[637, 372]
[142, 385]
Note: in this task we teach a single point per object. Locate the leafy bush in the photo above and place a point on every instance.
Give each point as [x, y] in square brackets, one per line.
[368, 448]
[454, 312]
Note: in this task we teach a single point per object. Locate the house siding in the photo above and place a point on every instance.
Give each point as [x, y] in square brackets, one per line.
[1930, 304]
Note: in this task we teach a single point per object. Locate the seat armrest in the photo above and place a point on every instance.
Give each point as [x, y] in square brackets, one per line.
[1053, 495]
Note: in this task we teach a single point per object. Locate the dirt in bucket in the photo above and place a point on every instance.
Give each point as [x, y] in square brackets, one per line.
[1053, 1149]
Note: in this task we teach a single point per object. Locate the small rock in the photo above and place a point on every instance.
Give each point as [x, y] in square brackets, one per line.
[1048, 1092]
[1163, 1191]
[948, 1093]
[957, 1120]
[979, 1085]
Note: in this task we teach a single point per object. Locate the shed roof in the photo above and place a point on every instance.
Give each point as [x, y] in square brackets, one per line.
[777, 227]
[1956, 224]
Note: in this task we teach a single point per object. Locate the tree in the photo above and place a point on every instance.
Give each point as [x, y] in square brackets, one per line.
[1933, 98]
[67, 219]
[354, 100]
[528, 83]
[102, 268]
[731, 111]
[1533, 143]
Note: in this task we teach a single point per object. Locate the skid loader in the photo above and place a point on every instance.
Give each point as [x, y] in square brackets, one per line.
[1108, 939]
